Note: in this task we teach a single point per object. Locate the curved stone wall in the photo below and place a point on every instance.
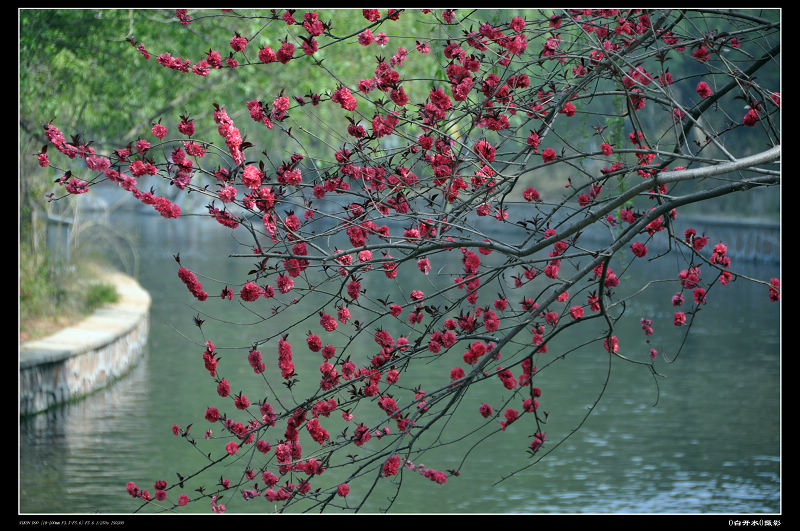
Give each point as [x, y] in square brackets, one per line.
[89, 355]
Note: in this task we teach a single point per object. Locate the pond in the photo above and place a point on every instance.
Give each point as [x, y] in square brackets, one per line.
[703, 439]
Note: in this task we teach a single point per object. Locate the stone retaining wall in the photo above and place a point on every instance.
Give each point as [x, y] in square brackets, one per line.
[88, 356]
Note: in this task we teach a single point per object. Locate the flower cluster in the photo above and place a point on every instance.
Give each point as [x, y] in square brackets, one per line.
[194, 285]
[415, 170]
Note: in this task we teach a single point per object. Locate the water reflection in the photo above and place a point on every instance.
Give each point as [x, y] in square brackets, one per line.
[76, 453]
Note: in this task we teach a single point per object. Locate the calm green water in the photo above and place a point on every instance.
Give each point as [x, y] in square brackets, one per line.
[711, 444]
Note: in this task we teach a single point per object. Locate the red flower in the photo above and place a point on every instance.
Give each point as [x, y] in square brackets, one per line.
[212, 414]
[266, 55]
[456, 373]
[133, 490]
[241, 401]
[327, 322]
[365, 38]
[518, 24]
[511, 415]
[314, 342]
[285, 362]
[701, 54]
[538, 440]
[185, 127]
[774, 289]
[699, 295]
[309, 46]
[285, 52]
[639, 249]
[530, 194]
[485, 150]
[391, 466]
[159, 131]
[238, 43]
[345, 98]
[250, 292]
[384, 339]
[183, 16]
[361, 435]
[533, 141]
[703, 90]
[548, 155]
[750, 118]
[611, 344]
[195, 287]
[254, 359]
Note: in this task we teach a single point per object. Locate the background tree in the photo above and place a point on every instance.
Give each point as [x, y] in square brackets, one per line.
[501, 170]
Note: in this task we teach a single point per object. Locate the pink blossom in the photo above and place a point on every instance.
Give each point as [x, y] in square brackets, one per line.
[639, 249]
[751, 118]
[774, 289]
[576, 312]
[251, 291]
[391, 466]
[238, 43]
[703, 90]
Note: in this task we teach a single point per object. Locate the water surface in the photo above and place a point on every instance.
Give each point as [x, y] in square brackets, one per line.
[704, 439]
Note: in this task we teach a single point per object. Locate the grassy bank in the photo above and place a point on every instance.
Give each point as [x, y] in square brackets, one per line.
[53, 296]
